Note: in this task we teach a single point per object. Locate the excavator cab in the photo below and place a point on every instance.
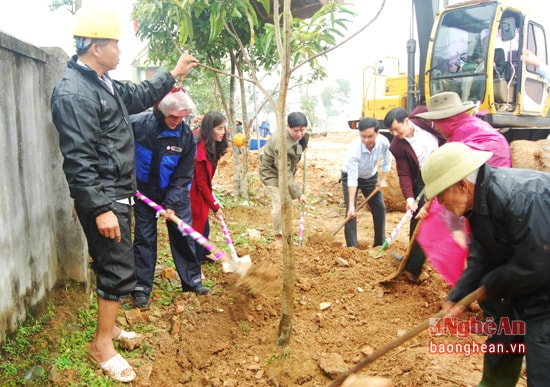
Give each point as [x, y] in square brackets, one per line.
[470, 51]
[474, 51]
[459, 52]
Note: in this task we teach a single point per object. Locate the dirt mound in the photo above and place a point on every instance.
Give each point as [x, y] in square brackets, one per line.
[341, 313]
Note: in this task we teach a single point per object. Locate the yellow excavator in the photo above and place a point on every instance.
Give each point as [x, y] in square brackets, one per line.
[474, 49]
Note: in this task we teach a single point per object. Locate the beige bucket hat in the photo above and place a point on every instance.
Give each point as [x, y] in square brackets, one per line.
[445, 105]
[449, 164]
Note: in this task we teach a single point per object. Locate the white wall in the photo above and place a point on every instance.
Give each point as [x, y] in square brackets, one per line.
[40, 242]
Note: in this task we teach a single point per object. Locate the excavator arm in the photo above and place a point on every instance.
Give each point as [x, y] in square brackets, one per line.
[424, 11]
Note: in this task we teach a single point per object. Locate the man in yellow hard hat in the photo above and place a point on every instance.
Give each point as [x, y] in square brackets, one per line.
[90, 112]
[509, 258]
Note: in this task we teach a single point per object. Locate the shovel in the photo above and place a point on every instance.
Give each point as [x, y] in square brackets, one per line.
[303, 210]
[401, 339]
[186, 229]
[236, 264]
[361, 205]
[405, 258]
[392, 235]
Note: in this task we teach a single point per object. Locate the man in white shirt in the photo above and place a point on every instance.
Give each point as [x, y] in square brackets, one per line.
[360, 172]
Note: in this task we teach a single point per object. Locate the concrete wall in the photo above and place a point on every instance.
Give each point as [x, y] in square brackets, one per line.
[41, 242]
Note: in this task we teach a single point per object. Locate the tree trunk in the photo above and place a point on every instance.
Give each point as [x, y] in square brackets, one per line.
[243, 183]
[287, 307]
[237, 170]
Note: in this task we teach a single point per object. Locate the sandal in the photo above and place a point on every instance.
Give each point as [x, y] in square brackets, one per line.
[116, 368]
[126, 335]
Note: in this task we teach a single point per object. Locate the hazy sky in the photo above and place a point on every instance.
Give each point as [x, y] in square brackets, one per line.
[31, 21]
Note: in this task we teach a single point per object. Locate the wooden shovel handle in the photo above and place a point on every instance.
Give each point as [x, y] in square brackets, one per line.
[400, 340]
[361, 205]
[405, 259]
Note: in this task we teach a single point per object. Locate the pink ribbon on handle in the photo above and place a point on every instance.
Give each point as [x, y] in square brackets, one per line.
[301, 231]
[225, 232]
[394, 232]
[228, 238]
[184, 228]
[392, 235]
[405, 217]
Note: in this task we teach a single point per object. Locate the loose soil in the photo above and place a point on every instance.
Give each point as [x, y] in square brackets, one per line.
[340, 312]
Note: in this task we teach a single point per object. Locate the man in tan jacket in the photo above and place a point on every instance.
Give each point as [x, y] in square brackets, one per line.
[296, 143]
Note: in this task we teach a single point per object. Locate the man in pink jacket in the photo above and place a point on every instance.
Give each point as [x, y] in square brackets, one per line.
[453, 121]
[448, 251]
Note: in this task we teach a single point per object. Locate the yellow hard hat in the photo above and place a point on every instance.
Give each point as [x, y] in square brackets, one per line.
[238, 140]
[96, 22]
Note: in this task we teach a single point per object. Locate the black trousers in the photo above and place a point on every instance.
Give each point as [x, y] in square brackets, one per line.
[416, 257]
[112, 262]
[377, 207]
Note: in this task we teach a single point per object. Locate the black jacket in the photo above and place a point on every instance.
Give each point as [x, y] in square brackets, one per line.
[510, 249]
[95, 135]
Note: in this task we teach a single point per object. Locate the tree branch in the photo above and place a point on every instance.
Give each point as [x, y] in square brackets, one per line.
[343, 41]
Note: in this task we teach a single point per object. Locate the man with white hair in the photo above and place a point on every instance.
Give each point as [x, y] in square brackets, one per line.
[165, 161]
[509, 258]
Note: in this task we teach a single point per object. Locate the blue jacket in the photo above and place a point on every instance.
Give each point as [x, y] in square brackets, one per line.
[165, 160]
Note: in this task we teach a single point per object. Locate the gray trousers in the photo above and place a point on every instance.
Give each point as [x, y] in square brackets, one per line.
[275, 209]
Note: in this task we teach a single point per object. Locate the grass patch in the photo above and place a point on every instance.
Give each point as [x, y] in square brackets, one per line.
[244, 326]
[57, 340]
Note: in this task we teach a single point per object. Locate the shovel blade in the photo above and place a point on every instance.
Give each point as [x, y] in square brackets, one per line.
[390, 277]
[237, 265]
